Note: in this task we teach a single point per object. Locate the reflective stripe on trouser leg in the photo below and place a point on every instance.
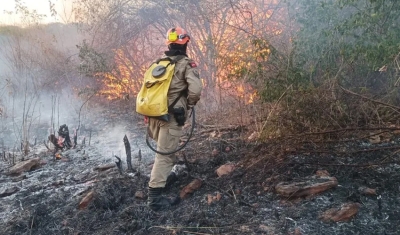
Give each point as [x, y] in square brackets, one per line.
[168, 139]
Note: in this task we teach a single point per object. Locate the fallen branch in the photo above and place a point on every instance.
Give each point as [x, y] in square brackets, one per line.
[220, 129]
[350, 165]
[225, 192]
[347, 129]
[352, 152]
[396, 108]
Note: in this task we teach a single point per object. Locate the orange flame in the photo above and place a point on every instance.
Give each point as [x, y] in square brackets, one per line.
[247, 93]
[118, 83]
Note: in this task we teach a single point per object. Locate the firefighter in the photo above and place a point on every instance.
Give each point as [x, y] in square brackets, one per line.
[187, 85]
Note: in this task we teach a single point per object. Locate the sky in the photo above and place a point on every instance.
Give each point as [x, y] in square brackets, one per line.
[63, 8]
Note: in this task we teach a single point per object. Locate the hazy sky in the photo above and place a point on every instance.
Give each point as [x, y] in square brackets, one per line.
[63, 8]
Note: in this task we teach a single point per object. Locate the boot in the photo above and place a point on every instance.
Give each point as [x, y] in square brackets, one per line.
[177, 171]
[157, 202]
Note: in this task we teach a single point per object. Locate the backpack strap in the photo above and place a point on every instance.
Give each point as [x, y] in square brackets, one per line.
[178, 58]
[171, 106]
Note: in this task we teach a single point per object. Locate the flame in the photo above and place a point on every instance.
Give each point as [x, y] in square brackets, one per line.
[233, 56]
[118, 83]
[247, 93]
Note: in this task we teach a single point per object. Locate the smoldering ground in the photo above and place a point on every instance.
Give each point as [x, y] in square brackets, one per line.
[49, 199]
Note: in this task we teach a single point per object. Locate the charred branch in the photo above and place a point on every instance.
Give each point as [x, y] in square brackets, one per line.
[45, 144]
[128, 154]
[75, 137]
[90, 136]
[140, 156]
[53, 139]
[119, 164]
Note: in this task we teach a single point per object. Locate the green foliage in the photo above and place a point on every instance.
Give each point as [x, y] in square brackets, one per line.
[360, 36]
[92, 62]
[344, 58]
[272, 72]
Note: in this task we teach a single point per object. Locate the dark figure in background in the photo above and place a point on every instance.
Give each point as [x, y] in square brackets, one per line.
[64, 133]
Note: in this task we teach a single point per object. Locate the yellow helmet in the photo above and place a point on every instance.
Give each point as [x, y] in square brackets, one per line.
[177, 35]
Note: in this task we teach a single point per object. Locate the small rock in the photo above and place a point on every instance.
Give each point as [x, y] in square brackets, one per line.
[214, 152]
[375, 139]
[269, 179]
[267, 229]
[322, 173]
[245, 228]
[211, 198]
[367, 191]
[140, 195]
[225, 169]
[213, 134]
[297, 231]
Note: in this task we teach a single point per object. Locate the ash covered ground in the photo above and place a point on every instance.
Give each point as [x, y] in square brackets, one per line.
[48, 198]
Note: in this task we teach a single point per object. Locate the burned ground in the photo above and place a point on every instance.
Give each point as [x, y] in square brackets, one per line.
[48, 200]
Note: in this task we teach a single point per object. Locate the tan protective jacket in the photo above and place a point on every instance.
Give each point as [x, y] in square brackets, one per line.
[167, 134]
[186, 77]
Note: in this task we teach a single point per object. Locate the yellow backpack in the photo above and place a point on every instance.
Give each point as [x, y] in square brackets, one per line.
[152, 99]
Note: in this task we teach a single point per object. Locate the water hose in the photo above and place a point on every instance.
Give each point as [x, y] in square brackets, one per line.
[182, 146]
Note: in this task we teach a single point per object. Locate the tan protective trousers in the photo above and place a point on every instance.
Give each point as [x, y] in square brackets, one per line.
[167, 135]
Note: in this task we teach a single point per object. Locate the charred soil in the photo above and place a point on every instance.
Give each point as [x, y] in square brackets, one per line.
[243, 201]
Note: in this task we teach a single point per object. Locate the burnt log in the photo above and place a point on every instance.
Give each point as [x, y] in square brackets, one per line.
[128, 154]
[190, 188]
[308, 187]
[24, 166]
[343, 214]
